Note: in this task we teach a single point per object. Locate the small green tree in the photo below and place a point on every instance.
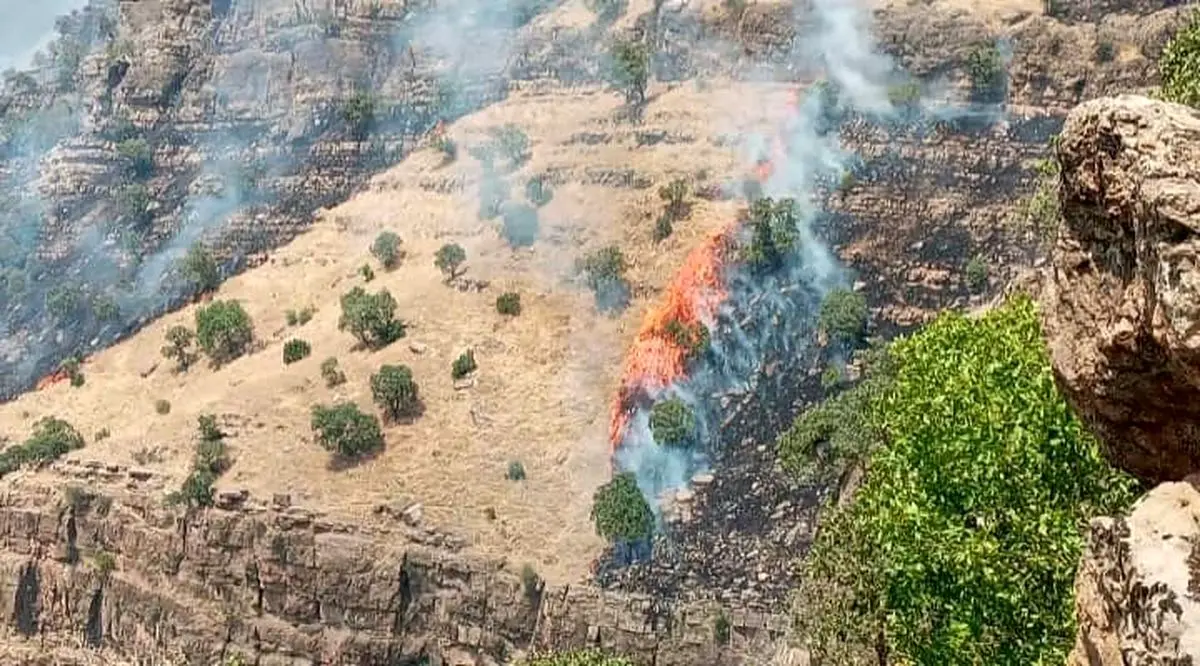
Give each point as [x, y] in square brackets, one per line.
[629, 70]
[359, 114]
[133, 204]
[773, 231]
[71, 367]
[843, 316]
[179, 347]
[976, 274]
[386, 249]
[201, 269]
[52, 438]
[512, 143]
[1179, 65]
[463, 365]
[331, 373]
[509, 303]
[620, 512]
[604, 272]
[394, 390]
[985, 68]
[672, 422]
[449, 259]
[136, 157]
[345, 430]
[371, 317]
[223, 330]
[295, 350]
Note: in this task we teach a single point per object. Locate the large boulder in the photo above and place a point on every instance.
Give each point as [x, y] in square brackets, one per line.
[1121, 300]
[1136, 590]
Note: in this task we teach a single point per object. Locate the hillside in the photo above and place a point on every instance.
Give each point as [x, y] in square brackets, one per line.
[304, 554]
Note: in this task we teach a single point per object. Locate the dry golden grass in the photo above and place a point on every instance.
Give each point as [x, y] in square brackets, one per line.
[545, 378]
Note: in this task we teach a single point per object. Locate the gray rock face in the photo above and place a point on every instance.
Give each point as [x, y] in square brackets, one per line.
[1121, 301]
[1136, 589]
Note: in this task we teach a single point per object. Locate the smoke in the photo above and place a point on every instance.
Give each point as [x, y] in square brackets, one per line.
[28, 27]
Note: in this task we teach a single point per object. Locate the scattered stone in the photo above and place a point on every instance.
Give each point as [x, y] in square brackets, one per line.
[416, 347]
[413, 515]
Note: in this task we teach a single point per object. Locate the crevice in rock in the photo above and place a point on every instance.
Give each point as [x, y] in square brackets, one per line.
[404, 597]
[94, 631]
[26, 602]
[72, 537]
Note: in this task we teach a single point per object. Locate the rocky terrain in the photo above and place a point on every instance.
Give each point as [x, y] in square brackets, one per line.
[102, 572]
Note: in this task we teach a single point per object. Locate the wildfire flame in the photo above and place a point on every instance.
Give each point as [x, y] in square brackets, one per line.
[657, 357]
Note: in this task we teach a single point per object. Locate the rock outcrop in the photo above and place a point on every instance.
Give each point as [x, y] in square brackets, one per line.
[1136, 591]
[1122, 300]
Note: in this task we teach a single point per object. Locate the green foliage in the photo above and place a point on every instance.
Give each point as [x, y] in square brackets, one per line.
[209, 461]
[663, 227]
[105, 563]
[904, 94]
[179, 347]
[619, 510]
[509, 303]
[299, 317]
[675, 194]
[331, 373]
[607, 11]
[449, 259]
[346, 430]
[394, 390]
[721, 629]
[773, 227]
[200, 268]
[976, 274]
[209, 430]
[371, 317]
[673, 423]
[531, 583]
[367, 273]
[1179, 65]
[985, 68]
[538, 192]
[831, 376]
[1042, 211]
[512, 143]
[604, 265]
[359, 114]
[52, 438]
[136, 157]
[629, 70]
[105, 308]
[516, 471]
[843, 316]
[463, 365]
[63, 301]
[693, 338]
[590, 657]
[223, 330]
[70, 366]
[162, 407]
[133, 203]
[960, 547]
[295, 350]
[386, 249]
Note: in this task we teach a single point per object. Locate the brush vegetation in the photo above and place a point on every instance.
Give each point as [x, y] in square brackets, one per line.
[589, 657]
[223, 330]
[1179, 65]
[961, 545]
[346, 430]
[52, 438]
[620, 512]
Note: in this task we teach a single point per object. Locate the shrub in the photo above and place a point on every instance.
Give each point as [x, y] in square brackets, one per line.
[63, 301]
[299, 317]
[209, 430]
[509, 303]
[201, 269]
[520, 225]
[675, 194]
[961, 545]
[162, 407]
[721, 629]
[629, 70]
[1042, 210]
[101, 435]
[359, 114]
[773, 228]
[663, 227]
[371, 317]
[394, 390]
[620, 512]
[604, 272]
[447, 147]
[133, 204]
[345, 430]
[367, 273]
[449, 259]
[223, 330]
[531, 583]
[904, 94]
[693, 338]
[976, 274]
[136, 157]
[105, 308]
[463, 365]
[197, 490]
[985, 68]
[386, 249]
[70, 366]
[105, 563]
[538, 192]
[843, 316]
[179, 347]
[52, 438]
[515, 472]
[512, 143]
[589, 657]
[1179, 65]
[330, 372]
[672, 422]
[295, 350]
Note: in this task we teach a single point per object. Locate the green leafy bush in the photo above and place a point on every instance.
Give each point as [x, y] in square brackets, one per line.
[961, 545]
[359, 114]
[133, 203]
[52, 438]
[136, 157]
[70, 366]
[386, 249]
[675, 194]
[619, 510]
[629, 70]
[904, 94]
[210, 460]
[663, 227]
[366, 272]
[1179, 65]
[463, 365]
[672, 422]
[538, 192]
[515, 471]
[985, 68]
[1042, 210]
[843, 316]
[63, 301]
[371, 317]
[223, 330]
[299, 317]
[331, 373]
[201, 269]
[394, 390]
[531, 583]
[509, 303]
[590, 657]
[449, 259]
[209, 430]
[604, 271]
[295, 350]
[346, 430]
[512, 143]
[976, 274]
[773, 228]
[179, 347]
[694, 337]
